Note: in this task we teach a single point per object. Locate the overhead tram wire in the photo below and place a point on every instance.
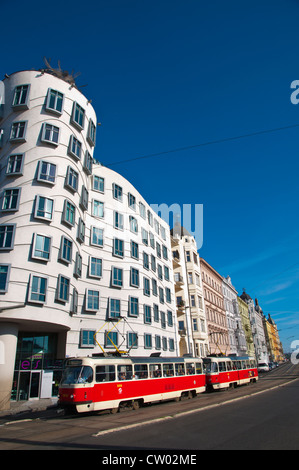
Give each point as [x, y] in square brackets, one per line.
[203, 144]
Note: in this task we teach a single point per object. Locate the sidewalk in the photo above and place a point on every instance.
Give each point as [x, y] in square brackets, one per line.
[22, 408]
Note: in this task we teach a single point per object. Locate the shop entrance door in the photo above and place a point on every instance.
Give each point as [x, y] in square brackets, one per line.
[28, 385]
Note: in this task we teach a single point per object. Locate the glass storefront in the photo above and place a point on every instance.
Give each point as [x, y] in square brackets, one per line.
[37, 371]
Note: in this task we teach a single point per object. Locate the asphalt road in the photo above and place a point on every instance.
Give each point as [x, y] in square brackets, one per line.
[259, 416]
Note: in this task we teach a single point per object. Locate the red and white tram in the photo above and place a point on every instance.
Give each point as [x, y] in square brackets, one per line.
[224, 372]
[90, 384]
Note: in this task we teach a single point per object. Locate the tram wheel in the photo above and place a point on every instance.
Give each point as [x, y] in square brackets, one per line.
[136, 405]
[113, 411]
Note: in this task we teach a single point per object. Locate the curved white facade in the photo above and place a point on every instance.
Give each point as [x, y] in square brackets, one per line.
[80, 249]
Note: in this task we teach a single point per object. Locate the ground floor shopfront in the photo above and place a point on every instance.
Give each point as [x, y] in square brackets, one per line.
[31, 362]
[37, 371]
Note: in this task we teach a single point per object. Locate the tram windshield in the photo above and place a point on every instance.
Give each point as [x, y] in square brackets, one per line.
[211, 367]
[77, 375]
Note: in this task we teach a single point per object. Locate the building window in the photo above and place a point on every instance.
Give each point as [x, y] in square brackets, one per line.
[66, 249]
[133, 307]
[21, 96]
[132, 340]
[158, 342]
[43, 208]
[46, 172]
[88, 163]
[165, 252]
[50, 134]
[81, 231]
[158, 248]
[168, 295]
[18, 131]
[74, 306]
[161, 295]
[95, 267]
[11, 199]
[154, 286]
[142, 211]
[114, 308]
[41, 247]
[78, 116]
[87, 338]
[164, 343]
[84, 198]
[118, 220]
[117, 277]
[7, 235]
[132, 201]
[54, 101]
[72, 178]
[134, 277]
[97, 208]
[170, 318]
[163, 320]
[75, 147]
[91, 133]
[118, 247]
[133, 224]
[146, 286]
[147, 314]
[38, 289]
[166, 273]
[156, 313]
[171, 344]
[98, 183]
[15, 165]
[145, 261]
[147, 341]
[4, 277]
[69, 213]
[96, 237]
[134, 250]
[78, 265]
[111, 339]
[92, 300]
[117, 192]
[144, 235]
[63, 291]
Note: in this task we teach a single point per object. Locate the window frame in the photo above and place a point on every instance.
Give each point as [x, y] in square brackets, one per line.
[48, 99]
[52, 132]
[7, 277]
[35, 256]
[38, 197]
[38, 292]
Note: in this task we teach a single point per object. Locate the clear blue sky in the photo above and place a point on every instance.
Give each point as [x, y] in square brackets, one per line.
[169, 74]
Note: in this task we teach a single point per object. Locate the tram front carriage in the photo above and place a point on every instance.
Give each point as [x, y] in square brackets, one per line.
[90, 384]
[225, 372]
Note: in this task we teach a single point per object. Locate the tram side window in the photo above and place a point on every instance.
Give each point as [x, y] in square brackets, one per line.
[243, 364]
[198, 368]
[190, 368]
[168, 370]
[179, 369]
[124, 372]
[222, 367]
[155, 371]
[105, 373]
[247, 365]
[229, 366]
[141, 371]
[239, 365]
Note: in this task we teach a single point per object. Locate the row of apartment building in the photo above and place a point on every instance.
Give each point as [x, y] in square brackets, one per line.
[86, 265]
[212, 317]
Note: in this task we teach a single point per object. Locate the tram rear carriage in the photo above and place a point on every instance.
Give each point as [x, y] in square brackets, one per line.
[90, 384]
[225, 372]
